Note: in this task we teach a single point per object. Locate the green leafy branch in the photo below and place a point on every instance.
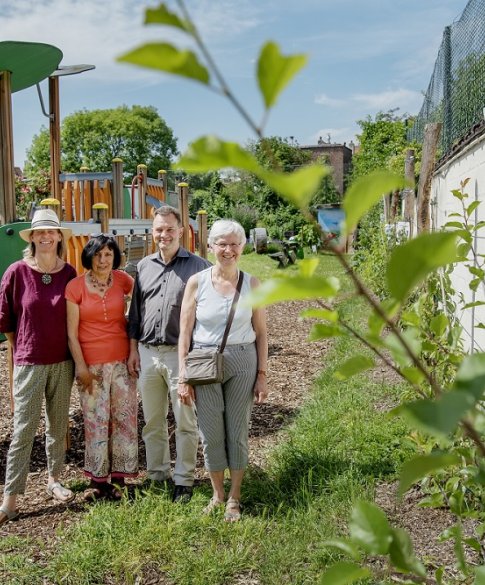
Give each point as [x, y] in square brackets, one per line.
[409, 266]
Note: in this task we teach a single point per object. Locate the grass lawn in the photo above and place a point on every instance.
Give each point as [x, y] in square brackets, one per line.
[332, 454]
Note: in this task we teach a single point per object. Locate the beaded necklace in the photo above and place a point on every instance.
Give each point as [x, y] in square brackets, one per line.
[101, 286]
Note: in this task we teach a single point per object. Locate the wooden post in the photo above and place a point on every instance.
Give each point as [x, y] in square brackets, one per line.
[202, 221]
[395, 204]
[141, 171]
[408, 195]
[55, 137]
[85, 206]
[117, 169]
[430, 143]
[7, 172]
[100, 215]
[183, 201]
[162, 176]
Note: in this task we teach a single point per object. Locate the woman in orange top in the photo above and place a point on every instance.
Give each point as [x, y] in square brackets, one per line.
[99, 344]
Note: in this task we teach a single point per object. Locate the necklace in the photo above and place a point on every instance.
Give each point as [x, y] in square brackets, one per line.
[101, 286]
[46, 276]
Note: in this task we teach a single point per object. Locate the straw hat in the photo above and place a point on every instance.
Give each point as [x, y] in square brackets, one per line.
[45, 219]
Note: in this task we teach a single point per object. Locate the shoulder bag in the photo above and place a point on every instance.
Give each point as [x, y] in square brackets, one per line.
[206, 366]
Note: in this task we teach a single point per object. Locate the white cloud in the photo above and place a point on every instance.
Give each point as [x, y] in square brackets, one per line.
[324, 100]
[404, 99]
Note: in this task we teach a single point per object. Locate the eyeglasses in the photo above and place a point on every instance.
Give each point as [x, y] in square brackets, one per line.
[231, 246]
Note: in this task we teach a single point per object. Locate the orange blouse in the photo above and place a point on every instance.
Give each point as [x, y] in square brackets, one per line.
[102, 322]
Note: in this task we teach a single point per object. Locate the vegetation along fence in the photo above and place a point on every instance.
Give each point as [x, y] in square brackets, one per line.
[455, 95]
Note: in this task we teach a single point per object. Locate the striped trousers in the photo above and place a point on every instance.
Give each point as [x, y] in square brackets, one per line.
[31, 384]
[224, 410]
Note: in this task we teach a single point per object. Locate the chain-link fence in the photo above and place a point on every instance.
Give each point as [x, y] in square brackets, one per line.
[456, 92]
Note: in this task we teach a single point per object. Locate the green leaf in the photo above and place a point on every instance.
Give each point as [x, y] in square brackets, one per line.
[324, 331]
[476, 271]
[399, 353]
[455, 224]
[421, 466]
[413, 261]
[402, 554]
[299, 186]
[210, 153]
[390, 308]
[344, 546]
[167, 58]
[479, 575]
[412, 374]
[364, 193]
[290, 289]
[353, 366]
[162, 15]
[343, 573]
[471, 208]
[439, 417]
[370, 529]
[307, 267]
[439, 324]
[478, 226]
[326, 314]
[471, 375]
[275, 71]
[475, 304]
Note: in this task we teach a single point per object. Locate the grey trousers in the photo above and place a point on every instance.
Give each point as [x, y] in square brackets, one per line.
[224, 410]
[31, 384]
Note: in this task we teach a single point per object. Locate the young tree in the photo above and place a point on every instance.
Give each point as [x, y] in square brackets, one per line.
[138, 135]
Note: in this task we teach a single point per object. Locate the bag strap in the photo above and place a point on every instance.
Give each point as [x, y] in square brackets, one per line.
[232, 311]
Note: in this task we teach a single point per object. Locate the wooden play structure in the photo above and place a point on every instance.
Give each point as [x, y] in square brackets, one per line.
[86, 202]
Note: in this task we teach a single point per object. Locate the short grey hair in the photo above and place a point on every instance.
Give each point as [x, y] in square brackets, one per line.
[165, 210]
[226, 227]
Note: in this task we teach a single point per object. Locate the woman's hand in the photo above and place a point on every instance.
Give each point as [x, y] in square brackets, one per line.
[85, 379]
[186, 393]
[260, 390]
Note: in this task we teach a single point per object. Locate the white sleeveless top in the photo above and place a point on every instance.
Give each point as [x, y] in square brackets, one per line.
[212, 310]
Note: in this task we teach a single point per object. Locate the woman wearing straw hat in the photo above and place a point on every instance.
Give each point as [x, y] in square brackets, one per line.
[33, 318]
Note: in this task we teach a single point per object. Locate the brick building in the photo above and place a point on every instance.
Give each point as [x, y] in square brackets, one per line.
[337, 156]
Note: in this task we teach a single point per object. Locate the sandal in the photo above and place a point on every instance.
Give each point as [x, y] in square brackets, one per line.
[95, 494]
[8, 515]
[213, 505]
[59, 493]
[233, 510]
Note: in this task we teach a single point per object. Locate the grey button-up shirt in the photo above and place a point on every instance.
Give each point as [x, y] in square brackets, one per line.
[154, 316]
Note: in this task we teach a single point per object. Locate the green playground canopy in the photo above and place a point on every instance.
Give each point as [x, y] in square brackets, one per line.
[29, 63]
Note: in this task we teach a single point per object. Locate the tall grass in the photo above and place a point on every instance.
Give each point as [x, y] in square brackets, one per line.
[337, 447]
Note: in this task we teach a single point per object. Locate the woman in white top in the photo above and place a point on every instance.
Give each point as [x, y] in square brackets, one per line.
[224, 410]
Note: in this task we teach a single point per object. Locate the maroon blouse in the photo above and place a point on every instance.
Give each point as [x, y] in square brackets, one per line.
[36, 313]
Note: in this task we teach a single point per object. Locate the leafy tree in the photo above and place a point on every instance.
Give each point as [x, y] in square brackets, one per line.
[138, 135]
[381, 139]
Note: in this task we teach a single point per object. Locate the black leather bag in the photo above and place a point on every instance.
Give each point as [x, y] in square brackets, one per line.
[206, 366]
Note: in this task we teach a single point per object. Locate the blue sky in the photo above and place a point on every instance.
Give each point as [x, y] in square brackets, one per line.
[365, 56]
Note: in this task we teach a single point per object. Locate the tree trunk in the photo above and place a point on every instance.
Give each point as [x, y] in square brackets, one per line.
[431, 137]
[408, 194]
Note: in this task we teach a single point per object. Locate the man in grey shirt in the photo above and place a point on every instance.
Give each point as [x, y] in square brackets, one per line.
[153, 328]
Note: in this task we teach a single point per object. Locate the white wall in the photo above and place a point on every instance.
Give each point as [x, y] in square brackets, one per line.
[469, 163]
